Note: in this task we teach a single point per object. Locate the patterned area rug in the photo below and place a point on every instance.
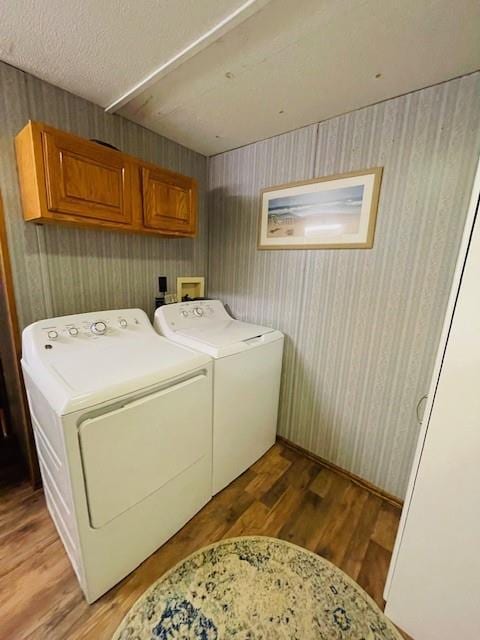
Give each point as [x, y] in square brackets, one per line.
[255, 588]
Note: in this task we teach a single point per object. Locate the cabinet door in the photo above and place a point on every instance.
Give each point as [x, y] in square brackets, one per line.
[169, 202]
[85, 179]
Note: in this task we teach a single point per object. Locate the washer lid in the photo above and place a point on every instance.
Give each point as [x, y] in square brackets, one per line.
[205, 325]
[227, 333]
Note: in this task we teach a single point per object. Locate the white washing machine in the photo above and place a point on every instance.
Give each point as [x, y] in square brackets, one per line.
[247, 368]
[123, 426]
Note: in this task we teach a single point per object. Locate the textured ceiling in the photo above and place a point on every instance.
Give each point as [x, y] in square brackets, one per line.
[217, 74]
[100, 49]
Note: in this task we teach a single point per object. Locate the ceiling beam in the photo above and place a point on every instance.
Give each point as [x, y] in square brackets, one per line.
[228, 23]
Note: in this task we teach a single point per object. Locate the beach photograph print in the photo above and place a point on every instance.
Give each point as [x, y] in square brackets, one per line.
[332, 212]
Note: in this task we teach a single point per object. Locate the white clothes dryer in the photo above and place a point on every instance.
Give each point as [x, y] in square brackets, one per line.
[247, 369]
[122, 420]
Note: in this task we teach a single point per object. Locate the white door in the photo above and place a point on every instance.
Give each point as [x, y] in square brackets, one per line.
[132, 451]
[435, 584]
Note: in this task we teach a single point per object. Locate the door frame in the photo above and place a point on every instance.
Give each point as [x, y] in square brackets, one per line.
[13, 341]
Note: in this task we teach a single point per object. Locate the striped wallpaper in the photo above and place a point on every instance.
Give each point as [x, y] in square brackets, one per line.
[361, 326]
[59, 270]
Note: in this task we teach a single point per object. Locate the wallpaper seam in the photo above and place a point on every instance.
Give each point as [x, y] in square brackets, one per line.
[208, 200]
[315, 149]
[304, 260]
[44, 271]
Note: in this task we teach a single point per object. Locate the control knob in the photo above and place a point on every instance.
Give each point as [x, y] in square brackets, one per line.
[123, 323]
[99, 328]
[185, 314]
[52, 335]
[198, 311]
[73, 331]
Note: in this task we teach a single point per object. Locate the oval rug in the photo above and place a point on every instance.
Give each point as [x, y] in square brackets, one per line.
[255, 588]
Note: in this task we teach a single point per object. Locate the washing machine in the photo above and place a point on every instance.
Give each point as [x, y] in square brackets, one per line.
[247, 367]
[122, 420]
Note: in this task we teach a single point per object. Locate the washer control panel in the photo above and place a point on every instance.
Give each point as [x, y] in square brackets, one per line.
[185, 315]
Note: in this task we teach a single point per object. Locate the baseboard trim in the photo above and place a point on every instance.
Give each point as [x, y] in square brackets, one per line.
[365, 484]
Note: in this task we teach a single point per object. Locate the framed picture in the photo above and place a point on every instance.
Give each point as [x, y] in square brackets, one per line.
[335, 212]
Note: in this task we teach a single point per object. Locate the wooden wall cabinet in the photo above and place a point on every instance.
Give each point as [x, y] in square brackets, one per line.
[67, 179]
[168, 201]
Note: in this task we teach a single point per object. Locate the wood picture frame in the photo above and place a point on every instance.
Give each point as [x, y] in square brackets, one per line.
[332, 212]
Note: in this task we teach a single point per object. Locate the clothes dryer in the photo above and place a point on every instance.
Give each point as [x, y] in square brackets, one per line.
[122, 420]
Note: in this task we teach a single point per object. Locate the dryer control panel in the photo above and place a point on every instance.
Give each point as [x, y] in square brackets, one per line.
[68, 333]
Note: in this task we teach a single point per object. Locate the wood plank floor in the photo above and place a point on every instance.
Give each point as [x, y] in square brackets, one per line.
[284, 495]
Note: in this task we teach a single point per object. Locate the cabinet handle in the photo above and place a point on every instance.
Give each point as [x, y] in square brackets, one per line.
[419, 419]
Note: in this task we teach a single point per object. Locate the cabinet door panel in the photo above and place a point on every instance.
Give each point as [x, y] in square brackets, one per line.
[169, 202]
[83, 179]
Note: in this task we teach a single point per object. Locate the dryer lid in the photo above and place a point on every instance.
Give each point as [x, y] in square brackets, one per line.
[112, 365]
[81, 369]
